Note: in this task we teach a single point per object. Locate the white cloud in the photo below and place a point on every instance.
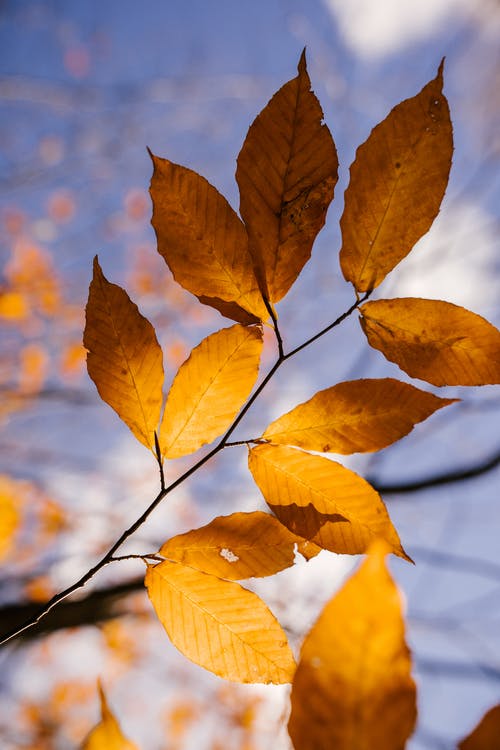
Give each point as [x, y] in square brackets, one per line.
[374, 28]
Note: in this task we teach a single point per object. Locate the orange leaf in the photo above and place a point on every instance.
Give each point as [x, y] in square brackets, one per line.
[435, 341]
[487, 733]
[321, 500]
[353, 686]
[107, 735]
[9, 515]
[219, 625]
[124, 359]
[242, 545]
[355, 416]
[287, 171]
[204, 242]
[13, 305]
[210, 388]
[396, 186]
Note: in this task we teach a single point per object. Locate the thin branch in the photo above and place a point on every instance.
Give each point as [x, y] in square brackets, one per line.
[335, 323]
[164, 491]
[435, 480]
[472, 565]
[160, 462]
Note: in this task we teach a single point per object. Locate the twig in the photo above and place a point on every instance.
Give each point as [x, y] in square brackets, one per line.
[166, 490]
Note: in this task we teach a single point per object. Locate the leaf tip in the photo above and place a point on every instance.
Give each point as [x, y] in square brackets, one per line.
[302, 66]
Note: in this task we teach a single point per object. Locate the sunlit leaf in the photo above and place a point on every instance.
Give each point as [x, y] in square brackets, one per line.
[9, 515]
[219, 625]
[287, 171]
[210, 389]
[353, 686]
[396, 186]
[486, 736]
[321, 500]
[107, 735]
[435, 341]
[124, 358]
[355, 416]
[242, 545]
[204, 242]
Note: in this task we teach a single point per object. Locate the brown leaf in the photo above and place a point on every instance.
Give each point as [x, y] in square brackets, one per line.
[486, 736]
[210, 389]
[355, 416]
[287, 171]
[321, 500]
[353, 685]
[396, 186]
[107, 735]
[242, 545]
[204, 242]
[219, 625]
[124, 358]
[435, 341]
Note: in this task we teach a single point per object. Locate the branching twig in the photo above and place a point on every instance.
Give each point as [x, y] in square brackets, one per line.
[166, 490]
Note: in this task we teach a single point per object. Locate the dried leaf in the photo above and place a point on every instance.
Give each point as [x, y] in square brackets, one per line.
[287, 171]
[210, 389]
[219, 625]
[353, 686]
[487, 733]
[396, 186]
[435, 341]
[124, 358]
[321, 500]
[107, 735]
[355, 416]
[242, 545]
[204, 242]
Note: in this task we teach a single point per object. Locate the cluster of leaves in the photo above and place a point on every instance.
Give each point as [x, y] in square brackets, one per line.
[353, 684]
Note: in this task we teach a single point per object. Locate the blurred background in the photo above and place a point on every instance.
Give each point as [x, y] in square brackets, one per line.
[84, 88]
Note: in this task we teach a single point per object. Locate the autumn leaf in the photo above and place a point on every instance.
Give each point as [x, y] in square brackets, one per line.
[397, 183]
[107, 735]
[124, 358]
[242, 545]
[353, 686]
[321, 500]
[219, 625]
[355, 416]
[9, 515]
[204, 242]
[287, 171]
[435, 341]
[210, 389]
[487, 733]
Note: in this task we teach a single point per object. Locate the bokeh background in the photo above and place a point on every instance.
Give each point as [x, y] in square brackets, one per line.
[84, 88]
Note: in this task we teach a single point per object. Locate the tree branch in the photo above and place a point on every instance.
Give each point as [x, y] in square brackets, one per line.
[166, 490]
[435, 480]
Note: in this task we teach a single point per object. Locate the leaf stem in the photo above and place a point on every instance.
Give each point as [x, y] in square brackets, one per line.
[277, 333]
[109, 557]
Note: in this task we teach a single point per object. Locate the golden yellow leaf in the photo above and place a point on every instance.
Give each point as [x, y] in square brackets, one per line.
[9, 515]
[321, 500]
[435, 341]
[242, 545]
[204, 242]
[210, 389]
[486, 736]
[219, 625]
[287, 171]
[124, 358]
[353, 686]
[397, 183]
[107, 735]
[355, 416]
